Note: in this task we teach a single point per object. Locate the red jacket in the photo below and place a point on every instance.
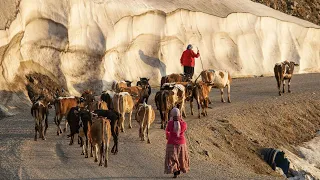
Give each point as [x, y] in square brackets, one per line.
[187, 58]
[172, 136]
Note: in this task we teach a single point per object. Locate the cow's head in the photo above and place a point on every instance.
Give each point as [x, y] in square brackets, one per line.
[49, 105]
[88, 100]
[189, 91]
[128, 83]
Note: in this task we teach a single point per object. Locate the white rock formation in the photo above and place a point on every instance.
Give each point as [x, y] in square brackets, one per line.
[82, 42]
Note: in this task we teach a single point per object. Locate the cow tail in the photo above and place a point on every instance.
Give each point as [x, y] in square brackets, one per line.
[38, 116]
[149, 116]
[229, 78]
[104, 125]
[160, 105]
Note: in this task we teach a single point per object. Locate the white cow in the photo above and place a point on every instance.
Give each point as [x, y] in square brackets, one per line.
[123, 103]
[219, 79]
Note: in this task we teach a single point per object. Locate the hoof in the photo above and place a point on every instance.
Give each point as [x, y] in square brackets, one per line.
[58, 133]
[161, 126]
[64, 129]
[70, 143]
[199, 117]
[86, 156]
[130, 127]
[100, 164]
[229, 101]
[35, 139]
[149, 141]
[105, 165]
[91, 155]
[44, 138]
[289, 91]
[96, 160]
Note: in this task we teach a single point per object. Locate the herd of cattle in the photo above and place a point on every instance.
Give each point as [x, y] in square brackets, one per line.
[96, 119]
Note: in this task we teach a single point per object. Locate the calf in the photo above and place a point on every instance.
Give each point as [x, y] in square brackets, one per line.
[219, 79]
[145, 116]
[62, 107]
[174, 78]
[123, 104]
[144, 83]
[201, 95]
[284, 71]
[117, 85]
[100, 139]
[113, 116]
[40, 112]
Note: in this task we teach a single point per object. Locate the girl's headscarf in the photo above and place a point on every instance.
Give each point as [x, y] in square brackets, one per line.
[175, 116]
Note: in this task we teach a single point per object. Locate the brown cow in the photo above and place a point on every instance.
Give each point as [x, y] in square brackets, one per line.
[174, 78]
[145, 116]
[100, 134]
[219, 79]
[117, 85]
[170, 95]
[284, 71]
[62, 107]
[201, 95]
[123, 103]
[40, 112]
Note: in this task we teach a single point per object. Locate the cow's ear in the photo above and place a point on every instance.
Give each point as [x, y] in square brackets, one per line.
[296, 64]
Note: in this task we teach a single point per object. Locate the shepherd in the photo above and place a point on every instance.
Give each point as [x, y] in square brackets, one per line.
[177, 157]
[187, 60]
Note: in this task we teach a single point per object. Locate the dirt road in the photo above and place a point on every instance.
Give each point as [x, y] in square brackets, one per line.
[23, 158]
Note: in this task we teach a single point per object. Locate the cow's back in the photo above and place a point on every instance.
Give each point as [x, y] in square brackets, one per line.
[38, 110]
[278, 71]
[100, 130]
[65, 104]
[126, 103]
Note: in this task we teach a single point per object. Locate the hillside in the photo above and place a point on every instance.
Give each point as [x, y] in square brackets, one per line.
[304, 9]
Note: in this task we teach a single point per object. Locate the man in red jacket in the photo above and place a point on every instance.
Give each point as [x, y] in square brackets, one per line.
[187, 60]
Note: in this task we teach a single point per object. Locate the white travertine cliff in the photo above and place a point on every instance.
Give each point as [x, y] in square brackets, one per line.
[82, 42]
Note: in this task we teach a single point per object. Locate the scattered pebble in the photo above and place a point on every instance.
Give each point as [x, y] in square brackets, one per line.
[207, 153]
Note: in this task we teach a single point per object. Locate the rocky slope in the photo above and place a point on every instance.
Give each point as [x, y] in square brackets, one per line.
[304, 9]
[91, 43]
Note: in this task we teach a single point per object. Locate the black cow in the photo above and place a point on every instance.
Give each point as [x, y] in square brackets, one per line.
[80, 121]
[107, 96]
[144, 83]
